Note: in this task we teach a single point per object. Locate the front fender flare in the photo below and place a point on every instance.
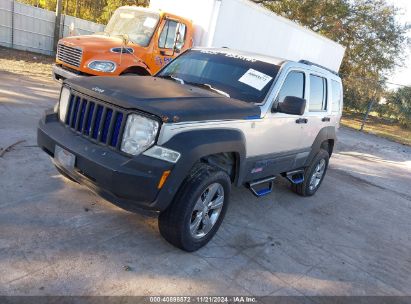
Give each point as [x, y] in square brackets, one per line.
[193, 145]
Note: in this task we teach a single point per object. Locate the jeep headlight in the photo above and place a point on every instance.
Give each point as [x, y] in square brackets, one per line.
[102, 66]
[64, 103]
[139, 134]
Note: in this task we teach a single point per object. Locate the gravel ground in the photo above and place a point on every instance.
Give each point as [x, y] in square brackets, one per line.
[58, 238]
[26, 63]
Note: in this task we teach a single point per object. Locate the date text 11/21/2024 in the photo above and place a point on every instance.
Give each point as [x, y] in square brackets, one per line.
[204, 299]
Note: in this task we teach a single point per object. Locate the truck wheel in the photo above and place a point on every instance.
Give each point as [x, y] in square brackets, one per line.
[313, 175]
[198, 209]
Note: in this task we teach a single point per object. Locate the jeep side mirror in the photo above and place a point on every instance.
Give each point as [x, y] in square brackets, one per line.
[292, 105]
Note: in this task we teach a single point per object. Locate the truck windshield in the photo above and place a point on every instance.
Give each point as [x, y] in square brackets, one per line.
[138, 25]
[236, 76]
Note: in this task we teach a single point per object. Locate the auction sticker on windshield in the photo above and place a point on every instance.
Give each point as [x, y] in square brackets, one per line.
[255, 79]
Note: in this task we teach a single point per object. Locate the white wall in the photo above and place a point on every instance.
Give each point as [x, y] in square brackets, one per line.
[246, 26]
[32, 29]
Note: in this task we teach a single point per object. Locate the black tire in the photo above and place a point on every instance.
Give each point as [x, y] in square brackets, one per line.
[304, 189]
[174, 223]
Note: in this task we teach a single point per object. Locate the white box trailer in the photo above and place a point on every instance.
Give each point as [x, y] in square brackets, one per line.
[246, 26]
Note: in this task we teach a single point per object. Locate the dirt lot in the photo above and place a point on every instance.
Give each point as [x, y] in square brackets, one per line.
[379, 126]
[25, 63]
[57, 238]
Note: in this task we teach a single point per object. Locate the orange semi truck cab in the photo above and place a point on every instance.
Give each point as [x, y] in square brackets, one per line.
[136, 41]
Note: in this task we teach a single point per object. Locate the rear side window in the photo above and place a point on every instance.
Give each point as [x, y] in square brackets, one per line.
[292, 86]
[336, 95]
[318, 93]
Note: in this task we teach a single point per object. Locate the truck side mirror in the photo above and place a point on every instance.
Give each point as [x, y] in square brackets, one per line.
[292, 105]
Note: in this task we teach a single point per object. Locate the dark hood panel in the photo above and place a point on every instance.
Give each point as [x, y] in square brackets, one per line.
[164, 98]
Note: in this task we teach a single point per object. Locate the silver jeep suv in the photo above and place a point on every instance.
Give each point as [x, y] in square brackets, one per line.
[175, 143]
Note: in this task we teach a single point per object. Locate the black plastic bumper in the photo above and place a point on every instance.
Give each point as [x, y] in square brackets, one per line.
[129, 182]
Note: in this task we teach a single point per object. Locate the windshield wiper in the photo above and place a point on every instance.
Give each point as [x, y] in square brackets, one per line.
[172, 77]
[208, 86]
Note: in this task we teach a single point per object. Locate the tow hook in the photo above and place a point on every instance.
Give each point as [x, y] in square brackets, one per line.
[264, 191]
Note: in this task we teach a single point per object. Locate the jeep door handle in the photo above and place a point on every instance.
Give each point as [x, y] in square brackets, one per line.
[301, 120]
[326, 119]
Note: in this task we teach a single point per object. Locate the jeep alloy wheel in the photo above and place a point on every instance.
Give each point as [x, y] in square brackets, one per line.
[198, 208]
[207, 210]
[317, 175]
[313, 175]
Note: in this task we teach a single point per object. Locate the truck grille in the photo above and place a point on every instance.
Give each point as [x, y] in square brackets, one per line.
[69, 55]
[100, 122]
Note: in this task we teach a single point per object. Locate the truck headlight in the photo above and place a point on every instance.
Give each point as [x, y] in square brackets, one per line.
[63, 103]
[102, 66]
[139, 134]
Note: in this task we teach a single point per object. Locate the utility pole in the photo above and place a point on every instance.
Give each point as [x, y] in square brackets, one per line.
[57, 25]
[367, 113]
[12, 23]
[76, 12]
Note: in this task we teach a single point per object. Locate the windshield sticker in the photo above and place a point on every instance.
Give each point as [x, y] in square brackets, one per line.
[150, 22]
[255, 79]
[241, 57]
[236, 56]
[126, 16]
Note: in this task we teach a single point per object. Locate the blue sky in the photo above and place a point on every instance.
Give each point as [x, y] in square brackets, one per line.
[403, 75]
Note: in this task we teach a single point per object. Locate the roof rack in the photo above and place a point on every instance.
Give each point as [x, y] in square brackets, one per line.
[318, 65]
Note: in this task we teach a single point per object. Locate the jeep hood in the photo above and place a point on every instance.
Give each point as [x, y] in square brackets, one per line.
[167, 99]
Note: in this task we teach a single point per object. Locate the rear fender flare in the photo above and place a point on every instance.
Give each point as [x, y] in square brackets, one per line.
[325, 134]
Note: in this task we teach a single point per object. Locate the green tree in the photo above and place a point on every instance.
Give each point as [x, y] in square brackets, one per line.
[46, 4]
[112, 5]
[94, 10]
[368, 29]
[399, 103]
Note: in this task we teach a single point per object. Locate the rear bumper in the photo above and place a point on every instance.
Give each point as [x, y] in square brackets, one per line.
[129, 182]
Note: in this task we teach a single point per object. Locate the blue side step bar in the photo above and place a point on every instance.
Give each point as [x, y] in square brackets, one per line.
[264, 191]
[295, 177]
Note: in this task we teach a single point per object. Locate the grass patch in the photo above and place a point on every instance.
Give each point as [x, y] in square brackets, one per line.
[26, 63]
[378, 126]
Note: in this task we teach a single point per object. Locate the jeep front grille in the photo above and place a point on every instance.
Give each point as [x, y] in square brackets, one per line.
[69, 55]
[98, 121]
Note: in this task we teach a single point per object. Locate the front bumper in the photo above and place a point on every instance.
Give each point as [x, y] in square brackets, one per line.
[129, 182]
[60, 74]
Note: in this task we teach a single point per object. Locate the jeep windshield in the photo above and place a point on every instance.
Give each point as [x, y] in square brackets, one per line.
[232, 75]
[138, 25]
